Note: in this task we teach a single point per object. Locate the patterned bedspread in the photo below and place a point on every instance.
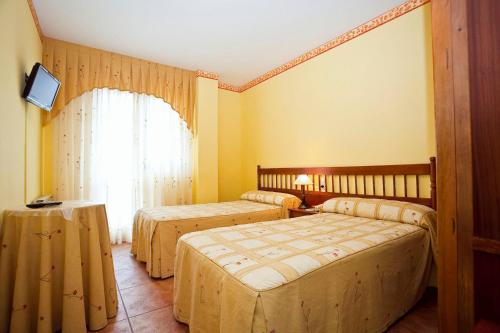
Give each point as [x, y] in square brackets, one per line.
[268, 254]
[327, 272]
[156, 230]
[184, 212]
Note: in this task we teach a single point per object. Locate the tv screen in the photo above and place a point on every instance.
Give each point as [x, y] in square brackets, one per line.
[41, 87]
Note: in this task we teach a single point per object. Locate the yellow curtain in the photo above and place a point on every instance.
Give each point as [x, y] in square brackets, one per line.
[81, 68]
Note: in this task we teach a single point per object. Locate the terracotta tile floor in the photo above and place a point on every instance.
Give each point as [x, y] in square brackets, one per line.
[146, 304]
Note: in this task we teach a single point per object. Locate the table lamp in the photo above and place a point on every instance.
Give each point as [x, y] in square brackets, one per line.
[303, 180]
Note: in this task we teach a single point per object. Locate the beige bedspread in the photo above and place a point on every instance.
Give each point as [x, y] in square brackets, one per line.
[322, 273]
[156, 230]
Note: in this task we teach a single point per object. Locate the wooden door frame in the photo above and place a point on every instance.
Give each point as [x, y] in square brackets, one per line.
[454, 165]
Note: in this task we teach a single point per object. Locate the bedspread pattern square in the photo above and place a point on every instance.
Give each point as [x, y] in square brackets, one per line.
[266, 255]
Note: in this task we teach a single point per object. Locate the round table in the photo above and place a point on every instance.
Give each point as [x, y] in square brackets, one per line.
[56, 269]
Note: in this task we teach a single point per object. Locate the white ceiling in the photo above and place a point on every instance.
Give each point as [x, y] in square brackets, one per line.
[239, 40]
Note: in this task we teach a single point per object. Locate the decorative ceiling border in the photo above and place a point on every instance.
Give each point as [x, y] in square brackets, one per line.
[35, 19]
[230, 87]
[380, 20]
[215, 76]
[207, 75]
[388, 16]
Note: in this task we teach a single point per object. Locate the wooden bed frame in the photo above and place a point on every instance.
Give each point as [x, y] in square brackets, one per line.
[404, 182]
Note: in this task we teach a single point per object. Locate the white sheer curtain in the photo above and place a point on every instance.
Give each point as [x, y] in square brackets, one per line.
[125, 149]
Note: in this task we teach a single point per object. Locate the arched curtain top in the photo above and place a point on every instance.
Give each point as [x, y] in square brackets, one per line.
[81, 69]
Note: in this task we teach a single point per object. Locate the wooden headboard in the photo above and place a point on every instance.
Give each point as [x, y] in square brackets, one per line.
[405, 182]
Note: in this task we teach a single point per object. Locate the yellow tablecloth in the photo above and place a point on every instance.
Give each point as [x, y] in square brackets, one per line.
[56, 269]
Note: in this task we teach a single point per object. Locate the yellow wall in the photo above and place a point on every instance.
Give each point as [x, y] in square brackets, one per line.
[205, 180]
[20, 145]
[229, 145]
[368, 101]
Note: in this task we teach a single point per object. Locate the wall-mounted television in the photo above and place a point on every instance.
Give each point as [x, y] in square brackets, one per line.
[41, 87]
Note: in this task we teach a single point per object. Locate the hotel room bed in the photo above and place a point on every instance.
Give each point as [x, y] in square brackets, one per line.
[156, 230]
[357, 267]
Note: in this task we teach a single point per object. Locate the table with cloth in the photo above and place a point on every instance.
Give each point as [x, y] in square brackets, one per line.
[56, 269]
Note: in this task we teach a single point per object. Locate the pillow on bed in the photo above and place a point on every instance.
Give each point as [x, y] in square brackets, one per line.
[273, 198]
[389, 210]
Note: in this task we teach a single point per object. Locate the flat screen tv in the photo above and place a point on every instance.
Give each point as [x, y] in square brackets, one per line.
[41, 87]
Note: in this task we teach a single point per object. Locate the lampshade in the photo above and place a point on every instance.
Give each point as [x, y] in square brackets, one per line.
[303, 180]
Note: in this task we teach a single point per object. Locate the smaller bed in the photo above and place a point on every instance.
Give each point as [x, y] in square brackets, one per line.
[156, 230]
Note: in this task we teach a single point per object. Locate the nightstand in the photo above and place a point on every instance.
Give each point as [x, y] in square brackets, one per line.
[296, 212]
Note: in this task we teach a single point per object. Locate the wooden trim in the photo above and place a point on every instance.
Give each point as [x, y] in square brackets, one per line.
[483, 39]
[275, 179]
[464, 170]
[454, 169]
[445, 140]
[486, 245]
[433, 182]
[404, 169]
[35, 19]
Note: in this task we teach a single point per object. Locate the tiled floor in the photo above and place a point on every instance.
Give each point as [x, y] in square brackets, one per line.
[146, 304]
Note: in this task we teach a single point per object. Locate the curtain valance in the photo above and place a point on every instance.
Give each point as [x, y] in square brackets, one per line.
[81, 69]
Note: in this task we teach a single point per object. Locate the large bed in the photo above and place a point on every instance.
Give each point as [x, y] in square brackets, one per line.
[156, 230]
[357, 266]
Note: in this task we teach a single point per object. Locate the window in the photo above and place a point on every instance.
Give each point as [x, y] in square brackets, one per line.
[125, 149]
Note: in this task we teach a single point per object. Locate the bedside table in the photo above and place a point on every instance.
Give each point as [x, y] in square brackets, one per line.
[296, 212]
